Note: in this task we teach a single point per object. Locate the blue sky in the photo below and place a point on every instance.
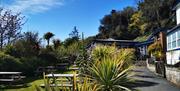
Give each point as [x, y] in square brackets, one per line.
[60, 16]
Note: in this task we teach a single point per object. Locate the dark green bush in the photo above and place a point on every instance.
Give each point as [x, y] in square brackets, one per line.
[9, 63]
[30, 65]
[48, 56]
[11, 50]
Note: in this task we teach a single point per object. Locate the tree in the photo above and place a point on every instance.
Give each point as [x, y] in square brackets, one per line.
[10, 26]
[56, 43]
[48, 36]
[73, 37]
[28, 45]
[115, 24]
[157, 13]
[137, 25]
[74, 34]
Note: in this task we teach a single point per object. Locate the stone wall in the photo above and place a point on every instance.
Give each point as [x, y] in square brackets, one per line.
[173, 75]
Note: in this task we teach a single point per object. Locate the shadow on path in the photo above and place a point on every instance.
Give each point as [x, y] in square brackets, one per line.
[142, 83]
[148, 81]
[144, 76]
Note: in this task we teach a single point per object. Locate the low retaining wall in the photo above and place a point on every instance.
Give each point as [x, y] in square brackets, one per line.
[172, 74]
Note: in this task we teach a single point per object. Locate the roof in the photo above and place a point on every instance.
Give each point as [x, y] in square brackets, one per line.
[155, 33]
[113, 40]
[173, 29]
[145, 42]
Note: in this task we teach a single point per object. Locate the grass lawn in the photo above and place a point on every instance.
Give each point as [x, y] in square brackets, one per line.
[29, 85]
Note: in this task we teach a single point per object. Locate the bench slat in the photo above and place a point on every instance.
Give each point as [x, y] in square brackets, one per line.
[6, 80]
[58, 85]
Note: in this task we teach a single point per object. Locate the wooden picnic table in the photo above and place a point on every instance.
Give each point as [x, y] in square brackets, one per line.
[10, 73]
[10, 76]
[70, 78]
[60, 75]
[74, 68]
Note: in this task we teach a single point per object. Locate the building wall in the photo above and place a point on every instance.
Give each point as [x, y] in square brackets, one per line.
[173, 47]
[172, 74]
[173, 57]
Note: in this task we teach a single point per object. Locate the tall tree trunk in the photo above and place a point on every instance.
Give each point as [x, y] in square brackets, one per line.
[48, 42]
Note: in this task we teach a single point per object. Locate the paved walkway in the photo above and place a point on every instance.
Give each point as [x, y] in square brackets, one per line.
[148, 81]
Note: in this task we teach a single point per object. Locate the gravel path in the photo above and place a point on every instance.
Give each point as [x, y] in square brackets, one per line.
[148, 81]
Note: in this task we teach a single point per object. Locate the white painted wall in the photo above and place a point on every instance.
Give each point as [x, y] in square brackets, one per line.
[178, 14]
[173, 57]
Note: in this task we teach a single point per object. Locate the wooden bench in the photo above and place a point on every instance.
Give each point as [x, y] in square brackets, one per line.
[10, 76]
[57, 85]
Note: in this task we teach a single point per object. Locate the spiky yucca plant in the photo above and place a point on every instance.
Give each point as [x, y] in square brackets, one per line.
[110, 75]
[110, 70]
[87, 85]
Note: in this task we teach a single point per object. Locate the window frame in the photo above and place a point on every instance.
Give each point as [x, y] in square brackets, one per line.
[171, 40]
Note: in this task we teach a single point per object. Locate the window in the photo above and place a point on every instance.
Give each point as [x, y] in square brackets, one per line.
[178, 38]
[174, 40]
[169, 42]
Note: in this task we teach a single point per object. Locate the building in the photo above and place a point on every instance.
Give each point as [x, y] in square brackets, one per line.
[141, 47]
[173, 40]
[110, 41]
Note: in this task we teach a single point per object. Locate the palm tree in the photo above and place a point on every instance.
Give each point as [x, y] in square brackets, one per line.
[48, 36]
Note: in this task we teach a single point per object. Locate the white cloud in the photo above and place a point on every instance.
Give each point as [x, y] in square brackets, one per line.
[33, 6]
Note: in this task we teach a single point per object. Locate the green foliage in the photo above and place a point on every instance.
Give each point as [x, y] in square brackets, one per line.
[87, 85]
[72, 51]
[110, 67]
[137, 25]
[9, 63]
[11, 50]
[30, 65]
[115, 24]
[109, 75]
[157, 13]
[156, 50]
[101, 52]
[56, 43]
[74, 37]
[88, 40]
[130, 23]
[74, 34]
[27, 46]
[48, 56]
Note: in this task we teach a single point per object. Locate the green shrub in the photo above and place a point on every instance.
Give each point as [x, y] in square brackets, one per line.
[110, 67]
[87, 85]
[71, 52]
[30, 65]
[156, 50]
[109, 74]
[11, 50]
[9, 63]
[48, 56]
[100, 52]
